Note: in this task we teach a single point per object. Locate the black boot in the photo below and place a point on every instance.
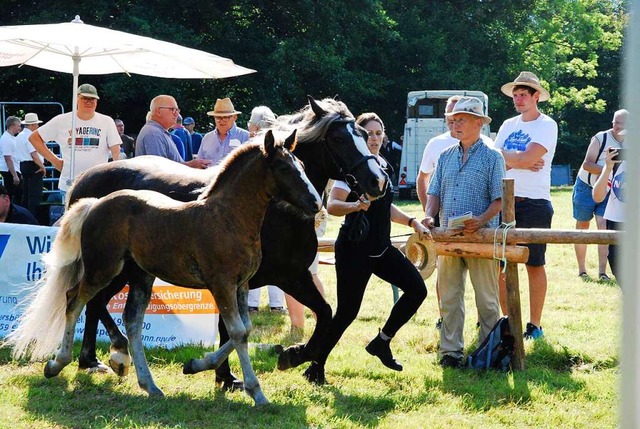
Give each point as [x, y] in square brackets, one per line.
[380, 348]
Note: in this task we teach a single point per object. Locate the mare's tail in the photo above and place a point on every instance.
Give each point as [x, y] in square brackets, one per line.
[41, 326]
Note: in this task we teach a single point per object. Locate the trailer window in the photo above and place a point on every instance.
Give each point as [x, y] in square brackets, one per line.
[428, 108]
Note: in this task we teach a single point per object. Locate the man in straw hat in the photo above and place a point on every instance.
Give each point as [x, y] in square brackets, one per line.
[31, 165]
[226, 136]
[430, 156]
[467, 179]
[528, 143]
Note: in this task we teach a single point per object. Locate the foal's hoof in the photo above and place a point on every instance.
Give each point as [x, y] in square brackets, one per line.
[120, 363]
[315, 374]
[51, 369]
[290, 357]
[230, 384]
[189, 368]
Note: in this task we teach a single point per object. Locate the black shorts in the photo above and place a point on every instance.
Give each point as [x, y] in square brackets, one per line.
[534, 213]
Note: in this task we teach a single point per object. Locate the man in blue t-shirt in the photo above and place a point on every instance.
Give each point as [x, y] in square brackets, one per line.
[184, 135]
[196, 137]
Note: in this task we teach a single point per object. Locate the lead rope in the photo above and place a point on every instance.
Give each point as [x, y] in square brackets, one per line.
[503, 258]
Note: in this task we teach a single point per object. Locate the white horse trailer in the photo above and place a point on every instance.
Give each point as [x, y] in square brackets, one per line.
[425, 119]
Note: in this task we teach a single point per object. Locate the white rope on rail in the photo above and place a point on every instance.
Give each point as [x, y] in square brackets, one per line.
[503, 258]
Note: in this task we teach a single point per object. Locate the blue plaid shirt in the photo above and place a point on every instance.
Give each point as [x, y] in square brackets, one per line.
[471, 186]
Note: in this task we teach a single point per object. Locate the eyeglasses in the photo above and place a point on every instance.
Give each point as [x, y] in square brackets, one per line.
[219, 118]
[85, 99]
[174, 110]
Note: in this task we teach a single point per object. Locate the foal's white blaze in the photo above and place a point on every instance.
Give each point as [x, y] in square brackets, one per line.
[303, 175]
[361, 145]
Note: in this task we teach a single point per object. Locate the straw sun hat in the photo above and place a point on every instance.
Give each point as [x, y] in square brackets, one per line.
[223, 107]
[422, 253]
[527, 79]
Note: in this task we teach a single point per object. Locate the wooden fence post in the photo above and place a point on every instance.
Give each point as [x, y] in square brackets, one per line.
[512, 282]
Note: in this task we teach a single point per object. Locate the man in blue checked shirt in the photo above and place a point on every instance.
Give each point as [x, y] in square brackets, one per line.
[468, 178]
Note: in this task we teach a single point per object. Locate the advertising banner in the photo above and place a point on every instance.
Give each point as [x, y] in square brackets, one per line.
[175, 315]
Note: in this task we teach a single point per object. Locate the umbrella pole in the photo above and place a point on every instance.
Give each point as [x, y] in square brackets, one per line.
[74, 109]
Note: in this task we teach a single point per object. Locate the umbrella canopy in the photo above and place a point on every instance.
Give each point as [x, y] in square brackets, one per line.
[79, 48]
[100, 50]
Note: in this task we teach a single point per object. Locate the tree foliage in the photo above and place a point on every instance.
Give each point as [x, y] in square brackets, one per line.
[369, 53]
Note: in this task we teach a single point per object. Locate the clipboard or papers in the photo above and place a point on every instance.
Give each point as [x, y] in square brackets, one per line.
[457, 222]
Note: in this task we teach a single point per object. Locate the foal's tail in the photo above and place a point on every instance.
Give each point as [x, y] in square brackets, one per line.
[41, 326]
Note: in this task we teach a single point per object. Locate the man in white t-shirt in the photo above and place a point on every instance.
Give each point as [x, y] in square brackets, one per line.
[9, 163]
[584, 206]
[31, 165]
[528, 143]
[96, 138]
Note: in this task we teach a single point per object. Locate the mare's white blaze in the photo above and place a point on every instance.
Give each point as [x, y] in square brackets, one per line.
[375, 168]
[361, 144]
[303, 176]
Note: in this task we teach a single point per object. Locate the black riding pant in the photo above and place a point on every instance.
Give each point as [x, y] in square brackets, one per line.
[614, 263]
[354, 268]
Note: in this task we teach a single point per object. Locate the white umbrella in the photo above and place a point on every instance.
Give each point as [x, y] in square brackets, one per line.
[79, 48]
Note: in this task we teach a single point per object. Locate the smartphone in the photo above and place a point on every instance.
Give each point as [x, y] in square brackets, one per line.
[620, 155]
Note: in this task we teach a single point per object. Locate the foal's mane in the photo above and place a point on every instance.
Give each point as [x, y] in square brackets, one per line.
[243, 158]
[310, 128]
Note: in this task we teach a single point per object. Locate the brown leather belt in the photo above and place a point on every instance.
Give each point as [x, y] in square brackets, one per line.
[520, 199]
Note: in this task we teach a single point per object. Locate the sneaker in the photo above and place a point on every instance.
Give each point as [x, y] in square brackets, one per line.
[439, 323]
[280, 310]
[380, 348]
[253, 309]
[449, 361]
[604, 277]
[584, 276]
[533, 332]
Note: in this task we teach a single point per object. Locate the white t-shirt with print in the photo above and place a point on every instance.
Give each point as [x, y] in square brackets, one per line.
[516, 135]
[615, 204]
[93, 140]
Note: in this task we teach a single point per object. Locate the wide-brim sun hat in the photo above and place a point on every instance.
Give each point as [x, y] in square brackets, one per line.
[422, 253]
[471, 106]
[223, 107]
[30, 119]
[527, 79]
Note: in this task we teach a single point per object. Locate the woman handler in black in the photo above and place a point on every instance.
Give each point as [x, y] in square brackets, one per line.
[363, 248]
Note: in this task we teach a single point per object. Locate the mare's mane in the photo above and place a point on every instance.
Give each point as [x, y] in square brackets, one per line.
[310, 128]
[243, 157]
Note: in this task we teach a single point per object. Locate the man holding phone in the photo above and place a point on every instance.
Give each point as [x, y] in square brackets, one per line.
[610, 186]
[584, 206]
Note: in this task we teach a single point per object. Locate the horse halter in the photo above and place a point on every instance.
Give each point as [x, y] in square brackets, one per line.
[348, 176]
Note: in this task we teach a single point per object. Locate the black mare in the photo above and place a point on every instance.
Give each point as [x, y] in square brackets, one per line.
[329, 144]
[216, 247]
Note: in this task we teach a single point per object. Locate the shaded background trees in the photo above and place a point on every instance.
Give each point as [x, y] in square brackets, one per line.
[369, 53]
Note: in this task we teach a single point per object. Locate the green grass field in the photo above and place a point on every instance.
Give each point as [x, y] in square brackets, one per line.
[571, 378]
